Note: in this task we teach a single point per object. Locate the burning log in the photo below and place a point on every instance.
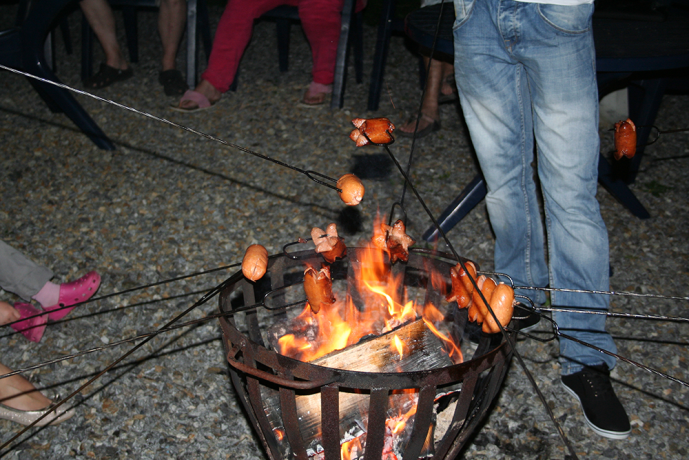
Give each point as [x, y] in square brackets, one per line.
[411, 347]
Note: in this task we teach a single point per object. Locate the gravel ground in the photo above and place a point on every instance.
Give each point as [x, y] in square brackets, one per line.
[168, 203]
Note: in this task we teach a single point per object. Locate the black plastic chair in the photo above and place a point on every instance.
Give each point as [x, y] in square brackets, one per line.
[285, 15]
[197, 25]
[23, 48]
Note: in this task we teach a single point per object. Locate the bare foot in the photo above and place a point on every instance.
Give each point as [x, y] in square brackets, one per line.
[18, 393]
[207, 90]
[8, 313]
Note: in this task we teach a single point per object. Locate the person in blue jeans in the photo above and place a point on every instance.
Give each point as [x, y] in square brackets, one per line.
[526, 77]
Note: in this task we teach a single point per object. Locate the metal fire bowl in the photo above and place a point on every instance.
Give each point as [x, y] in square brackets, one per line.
[255, 367]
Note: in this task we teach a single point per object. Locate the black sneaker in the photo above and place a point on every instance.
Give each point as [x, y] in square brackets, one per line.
[603, 411]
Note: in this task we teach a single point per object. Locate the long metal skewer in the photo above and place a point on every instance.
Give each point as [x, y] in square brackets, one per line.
[201, 301]
[127, 291]
[308, 173]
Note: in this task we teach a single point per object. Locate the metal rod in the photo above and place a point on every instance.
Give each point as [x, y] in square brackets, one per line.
[201, 301]
[127, 291]
[622, 358]
[307, 173]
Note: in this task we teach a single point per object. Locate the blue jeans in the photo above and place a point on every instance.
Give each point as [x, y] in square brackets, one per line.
[526, 78]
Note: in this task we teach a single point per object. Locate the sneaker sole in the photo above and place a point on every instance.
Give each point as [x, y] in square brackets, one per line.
[619, 435]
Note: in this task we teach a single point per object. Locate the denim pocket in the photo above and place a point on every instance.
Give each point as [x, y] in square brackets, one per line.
[463, 9]
[568, 19]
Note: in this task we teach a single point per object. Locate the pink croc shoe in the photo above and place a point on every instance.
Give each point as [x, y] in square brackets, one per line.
[32, 328]
[72, 293]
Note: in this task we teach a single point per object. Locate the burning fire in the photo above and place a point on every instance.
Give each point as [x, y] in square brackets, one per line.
[343, 324]
[378, 304]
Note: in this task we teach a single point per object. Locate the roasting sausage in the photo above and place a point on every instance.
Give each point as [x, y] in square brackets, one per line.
[328, 243]
[394, 240]
[625, 139]
[502, 304]
[255, 262]
[376, 130]
[352, 189]
[462, 288]
[318, 288]
[399, 242]
[486, 285]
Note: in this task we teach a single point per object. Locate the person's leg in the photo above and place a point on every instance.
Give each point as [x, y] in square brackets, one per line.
[231, 38]
[430, 112]
[448, 87]
[495, 102]
[560, 60]
[171, 20]
[20, 275]
[101, 19]
[321, 21]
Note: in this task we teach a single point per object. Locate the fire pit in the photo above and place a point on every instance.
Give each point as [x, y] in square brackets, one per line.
[363, 402]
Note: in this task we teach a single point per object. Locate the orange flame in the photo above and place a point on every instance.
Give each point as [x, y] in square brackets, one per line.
[383, 307]
[350, 449]
[398, 346]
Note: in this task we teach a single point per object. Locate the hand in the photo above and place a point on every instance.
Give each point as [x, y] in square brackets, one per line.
[8, 313]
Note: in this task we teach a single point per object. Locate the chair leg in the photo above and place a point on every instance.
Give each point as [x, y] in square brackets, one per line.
[66, 36]
[645, 97]
[205, 27]
[132, 32]
[283, 27]
[33, 31]
[337, 100]
[192, 51]
[381, 55]
[358, 38]
[86, 49]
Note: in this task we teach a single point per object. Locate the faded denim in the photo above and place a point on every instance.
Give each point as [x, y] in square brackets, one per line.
[527, 83]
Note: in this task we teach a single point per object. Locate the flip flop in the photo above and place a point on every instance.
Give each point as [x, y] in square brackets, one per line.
[202, 102]
[434, 125]
[447, 98]
[32, 328]
[173, 82]
[319, 92]
[107, 75]
[72, 293]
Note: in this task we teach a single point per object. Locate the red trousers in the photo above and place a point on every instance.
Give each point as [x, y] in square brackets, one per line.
[320, 19]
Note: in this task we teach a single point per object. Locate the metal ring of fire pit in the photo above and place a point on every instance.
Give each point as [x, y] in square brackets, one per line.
[256, 369]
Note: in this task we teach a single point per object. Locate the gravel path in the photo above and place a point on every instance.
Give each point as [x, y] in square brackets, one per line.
[167, 203]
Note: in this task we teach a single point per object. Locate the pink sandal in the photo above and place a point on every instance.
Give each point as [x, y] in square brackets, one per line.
[72, 293]
[34, 327]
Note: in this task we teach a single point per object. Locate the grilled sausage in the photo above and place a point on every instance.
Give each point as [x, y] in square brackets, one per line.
[376, 130]
[502, 304]
[352, 189]
[328, 243]
[255, 262]
[625, 139]
[462, 288]
[318, 288]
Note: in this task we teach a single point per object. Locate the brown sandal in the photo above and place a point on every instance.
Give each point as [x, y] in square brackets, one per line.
[107, 75]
